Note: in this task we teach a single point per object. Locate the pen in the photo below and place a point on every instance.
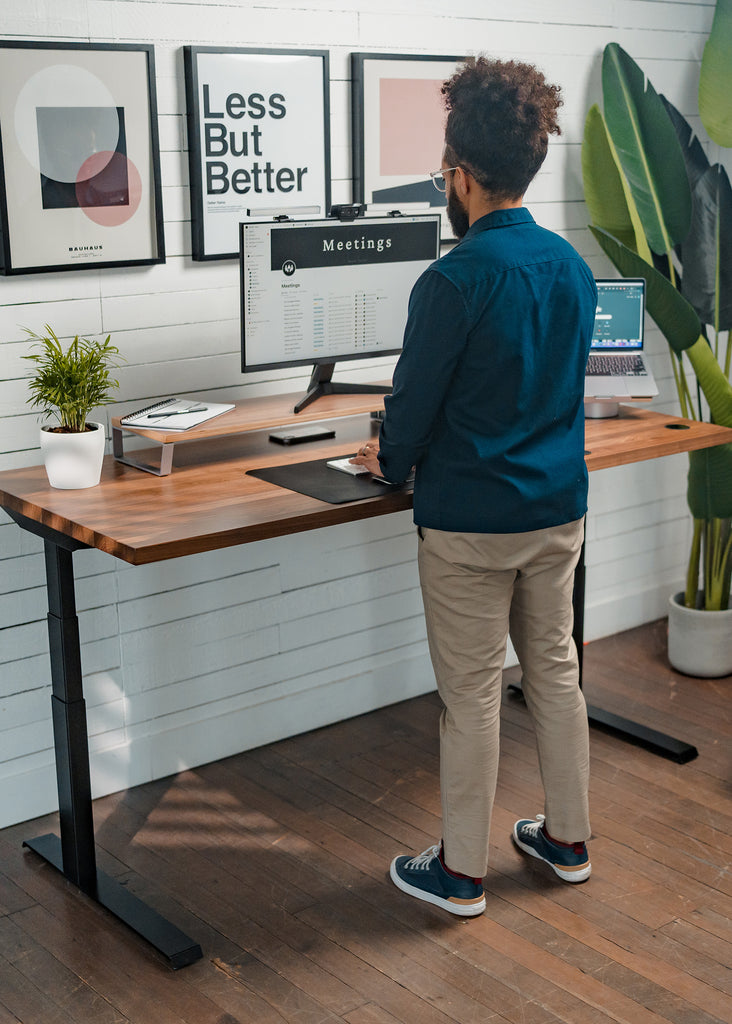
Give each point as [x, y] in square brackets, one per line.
[178, 412]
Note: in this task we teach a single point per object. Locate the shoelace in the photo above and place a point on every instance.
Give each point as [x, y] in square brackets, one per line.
[535, 826]
[423, 860]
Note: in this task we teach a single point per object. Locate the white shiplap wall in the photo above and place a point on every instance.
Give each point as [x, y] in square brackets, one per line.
[190, 660]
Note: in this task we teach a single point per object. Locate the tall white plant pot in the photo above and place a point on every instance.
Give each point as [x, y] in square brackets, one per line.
[699, 642]
[73, 461]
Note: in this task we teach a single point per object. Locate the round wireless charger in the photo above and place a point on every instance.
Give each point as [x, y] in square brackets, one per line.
[600, 409]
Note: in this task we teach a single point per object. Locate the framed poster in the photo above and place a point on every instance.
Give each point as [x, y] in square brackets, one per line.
[397, 125]
[79, 162]
[258, 140]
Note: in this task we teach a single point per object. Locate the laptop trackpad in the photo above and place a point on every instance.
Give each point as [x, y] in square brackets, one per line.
[605, 387]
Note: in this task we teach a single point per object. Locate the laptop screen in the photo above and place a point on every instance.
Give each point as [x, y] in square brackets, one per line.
[619, 317]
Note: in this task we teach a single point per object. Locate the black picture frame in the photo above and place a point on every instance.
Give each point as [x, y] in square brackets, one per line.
[388, 152]
[80, 183]
[255, 103]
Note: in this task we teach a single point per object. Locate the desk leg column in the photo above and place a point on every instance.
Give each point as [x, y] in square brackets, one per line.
[578, 607]
[578, 610]
[74, 855]
[624, 728]
[617, 725]
[69, 723]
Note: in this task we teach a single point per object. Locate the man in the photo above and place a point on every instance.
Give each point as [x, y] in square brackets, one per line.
[487, 405]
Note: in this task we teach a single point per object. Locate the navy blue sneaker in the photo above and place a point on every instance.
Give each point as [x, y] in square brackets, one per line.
[426, 878]
[570, 861]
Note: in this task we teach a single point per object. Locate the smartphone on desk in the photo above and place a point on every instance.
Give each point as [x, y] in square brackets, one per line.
[297, 435]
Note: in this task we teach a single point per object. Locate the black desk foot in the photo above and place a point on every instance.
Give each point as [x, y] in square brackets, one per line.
[641, 735]
[178, 949]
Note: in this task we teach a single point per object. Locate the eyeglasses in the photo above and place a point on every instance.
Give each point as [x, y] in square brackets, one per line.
[438, 178]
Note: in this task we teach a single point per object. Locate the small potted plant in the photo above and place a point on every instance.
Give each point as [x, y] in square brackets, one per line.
[67, 384]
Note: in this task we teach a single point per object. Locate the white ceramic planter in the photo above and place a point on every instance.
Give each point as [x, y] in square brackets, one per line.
[73, 461]
[699, 642]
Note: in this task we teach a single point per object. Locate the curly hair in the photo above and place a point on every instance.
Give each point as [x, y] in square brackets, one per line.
[500, 115]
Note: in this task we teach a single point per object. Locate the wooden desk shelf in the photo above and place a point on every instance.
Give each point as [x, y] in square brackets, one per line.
[262, 413]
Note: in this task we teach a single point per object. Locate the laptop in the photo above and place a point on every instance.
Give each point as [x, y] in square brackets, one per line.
[616, 369]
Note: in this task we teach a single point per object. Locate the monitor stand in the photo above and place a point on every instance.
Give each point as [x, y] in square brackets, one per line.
[321, 384]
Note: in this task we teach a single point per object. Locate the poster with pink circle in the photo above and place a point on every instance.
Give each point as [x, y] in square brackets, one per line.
[398, 128]
[80, 157]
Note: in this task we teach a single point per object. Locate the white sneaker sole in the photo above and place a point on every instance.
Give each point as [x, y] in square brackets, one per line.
[462, 908]
[574, 875]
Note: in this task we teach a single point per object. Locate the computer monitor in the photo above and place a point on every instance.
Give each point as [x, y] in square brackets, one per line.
[323, 291]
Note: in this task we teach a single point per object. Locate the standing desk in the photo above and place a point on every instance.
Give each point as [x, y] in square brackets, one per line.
[208, 502]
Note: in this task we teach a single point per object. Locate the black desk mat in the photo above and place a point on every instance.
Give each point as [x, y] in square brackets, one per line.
[317, 480]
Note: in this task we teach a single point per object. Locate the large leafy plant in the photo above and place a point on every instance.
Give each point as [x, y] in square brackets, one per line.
[69, 383]
[661, 211]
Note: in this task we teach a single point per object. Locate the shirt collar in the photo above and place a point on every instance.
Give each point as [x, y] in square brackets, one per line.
[500, 219]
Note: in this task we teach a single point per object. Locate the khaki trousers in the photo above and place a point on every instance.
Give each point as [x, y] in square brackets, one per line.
[477, 588]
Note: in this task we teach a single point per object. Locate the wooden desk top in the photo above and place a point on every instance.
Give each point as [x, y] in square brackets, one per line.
[209, 502]
[640, 434]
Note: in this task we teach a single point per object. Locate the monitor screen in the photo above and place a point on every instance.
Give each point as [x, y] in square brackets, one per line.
[321, 291]
[619, 316]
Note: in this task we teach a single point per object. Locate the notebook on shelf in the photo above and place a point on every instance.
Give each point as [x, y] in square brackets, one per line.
[174, 414]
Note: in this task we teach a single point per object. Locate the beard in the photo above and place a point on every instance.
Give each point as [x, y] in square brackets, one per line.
[457, 215]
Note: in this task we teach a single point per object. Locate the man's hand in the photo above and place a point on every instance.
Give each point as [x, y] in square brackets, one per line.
[368, 456]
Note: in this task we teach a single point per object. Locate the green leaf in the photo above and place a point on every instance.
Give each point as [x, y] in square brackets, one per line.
[648, 150]
[717, 389]
[709, 491]
[692, 150]
[675, 317]
[715, 81]
[707, 251]
[605, 189]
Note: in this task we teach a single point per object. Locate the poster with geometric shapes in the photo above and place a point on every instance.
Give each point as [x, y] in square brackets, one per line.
[398, 128]
[79, 161]
[258, 140]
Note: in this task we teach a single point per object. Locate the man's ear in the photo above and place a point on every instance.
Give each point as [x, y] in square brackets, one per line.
[461, 181]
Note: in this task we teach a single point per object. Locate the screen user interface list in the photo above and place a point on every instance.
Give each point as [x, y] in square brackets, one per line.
[329, 291]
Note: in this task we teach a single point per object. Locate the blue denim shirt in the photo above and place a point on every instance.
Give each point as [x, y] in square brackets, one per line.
[488, 392]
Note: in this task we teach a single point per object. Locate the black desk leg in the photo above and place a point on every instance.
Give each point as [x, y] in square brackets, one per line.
[74, 853]
[625, 729]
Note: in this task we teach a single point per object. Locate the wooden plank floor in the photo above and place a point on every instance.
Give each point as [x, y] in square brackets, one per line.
[276, 861]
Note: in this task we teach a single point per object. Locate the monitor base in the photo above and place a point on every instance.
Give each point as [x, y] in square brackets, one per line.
[321, 384]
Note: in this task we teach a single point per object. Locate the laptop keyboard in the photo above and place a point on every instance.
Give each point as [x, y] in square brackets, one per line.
[615, 366]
